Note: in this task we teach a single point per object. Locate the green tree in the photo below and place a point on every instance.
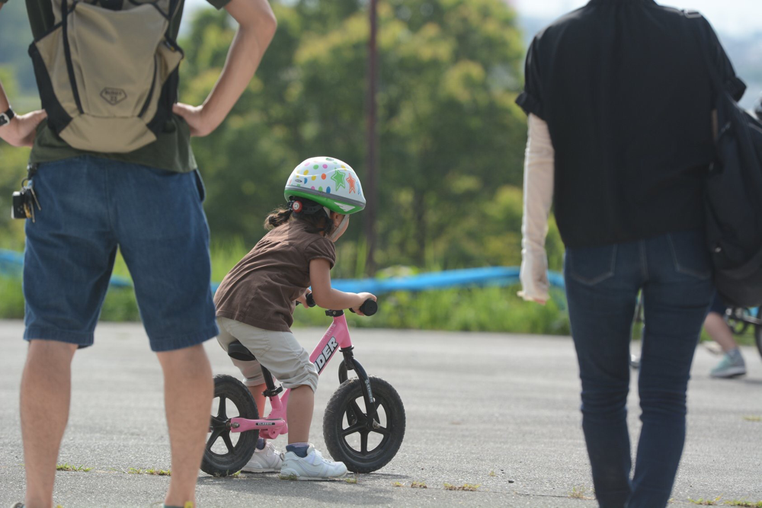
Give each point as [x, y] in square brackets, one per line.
[451, 137]
[15, 37]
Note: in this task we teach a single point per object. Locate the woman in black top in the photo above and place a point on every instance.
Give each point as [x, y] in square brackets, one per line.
[620, 137]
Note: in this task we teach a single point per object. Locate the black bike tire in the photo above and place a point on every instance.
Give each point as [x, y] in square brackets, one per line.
[229, 463]
[758, 332]
[355, 460]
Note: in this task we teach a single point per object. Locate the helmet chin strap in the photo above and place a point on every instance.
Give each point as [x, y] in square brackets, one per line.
[339, 229]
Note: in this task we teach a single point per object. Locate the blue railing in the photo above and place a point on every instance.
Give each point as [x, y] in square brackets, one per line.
[11, 264]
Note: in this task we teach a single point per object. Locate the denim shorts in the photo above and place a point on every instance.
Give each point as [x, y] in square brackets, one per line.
[90, 207]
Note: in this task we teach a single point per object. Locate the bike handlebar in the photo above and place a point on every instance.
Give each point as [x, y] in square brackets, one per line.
[369, 306]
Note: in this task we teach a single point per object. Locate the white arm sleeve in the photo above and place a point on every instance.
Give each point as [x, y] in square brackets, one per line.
[538, 198]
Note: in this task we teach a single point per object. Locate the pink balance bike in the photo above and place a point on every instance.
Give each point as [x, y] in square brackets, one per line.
[364, 422]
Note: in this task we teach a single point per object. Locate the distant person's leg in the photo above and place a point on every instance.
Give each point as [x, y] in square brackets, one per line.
[732, 363]
[676, 298]
[602, 286]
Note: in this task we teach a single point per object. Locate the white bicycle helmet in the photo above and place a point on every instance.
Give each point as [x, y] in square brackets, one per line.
[329, 182]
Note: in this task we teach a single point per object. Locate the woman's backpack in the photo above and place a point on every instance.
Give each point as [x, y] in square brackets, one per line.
[107, 72]
[733, 197]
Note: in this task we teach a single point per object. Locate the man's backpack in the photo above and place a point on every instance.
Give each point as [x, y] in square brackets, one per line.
[107, 72]
[733, 198]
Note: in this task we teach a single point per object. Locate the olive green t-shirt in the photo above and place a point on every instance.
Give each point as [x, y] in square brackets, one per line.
[171, 150]
[260, 290]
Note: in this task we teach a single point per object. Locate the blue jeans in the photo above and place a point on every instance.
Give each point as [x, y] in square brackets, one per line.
[91, 206]
[602, 284]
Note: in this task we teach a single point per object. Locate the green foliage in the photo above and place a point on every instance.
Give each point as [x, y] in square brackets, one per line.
[15, 37]
[13, 163]
[489, 309]
[451, 137]
[451, 147]
[11, 298]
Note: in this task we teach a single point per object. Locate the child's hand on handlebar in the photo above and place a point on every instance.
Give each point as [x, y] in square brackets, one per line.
[362, 297]
[303, 298]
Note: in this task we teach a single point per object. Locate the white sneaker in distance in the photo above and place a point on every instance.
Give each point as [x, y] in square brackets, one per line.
[266, 460]
[311, 467]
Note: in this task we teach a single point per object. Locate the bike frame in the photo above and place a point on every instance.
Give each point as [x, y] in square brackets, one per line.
[336, 338]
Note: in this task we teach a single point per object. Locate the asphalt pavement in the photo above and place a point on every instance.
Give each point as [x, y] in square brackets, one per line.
[493, 416]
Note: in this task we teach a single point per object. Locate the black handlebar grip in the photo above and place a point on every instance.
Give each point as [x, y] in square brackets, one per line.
[369, 307]
[310, 300]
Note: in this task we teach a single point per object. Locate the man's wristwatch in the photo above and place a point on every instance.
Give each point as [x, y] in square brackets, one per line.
[6, 117]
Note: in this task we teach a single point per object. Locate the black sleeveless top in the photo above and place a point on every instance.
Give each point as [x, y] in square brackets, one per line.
[624, 89]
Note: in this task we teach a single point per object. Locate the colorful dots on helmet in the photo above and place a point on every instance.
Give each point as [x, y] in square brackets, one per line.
[325, 165]
[328, 190]
[323, 176]
[320, 188]
[313, 187]
[306, 171]
[314, 177]
[315, 166]
[328, 159]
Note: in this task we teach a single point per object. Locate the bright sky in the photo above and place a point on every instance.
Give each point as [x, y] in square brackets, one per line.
[732, 17]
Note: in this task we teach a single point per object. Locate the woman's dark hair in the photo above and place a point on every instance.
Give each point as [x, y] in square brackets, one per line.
[311, 213]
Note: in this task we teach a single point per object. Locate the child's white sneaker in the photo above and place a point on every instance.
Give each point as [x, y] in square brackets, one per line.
[266, 460]
[311, 467]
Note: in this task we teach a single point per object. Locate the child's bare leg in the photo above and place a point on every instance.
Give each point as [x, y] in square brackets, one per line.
[301, 402]
[259, 398]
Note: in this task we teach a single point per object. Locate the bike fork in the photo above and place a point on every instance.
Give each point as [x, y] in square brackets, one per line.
[350, 363]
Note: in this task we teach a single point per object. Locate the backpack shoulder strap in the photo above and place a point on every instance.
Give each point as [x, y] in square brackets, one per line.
[694, 18]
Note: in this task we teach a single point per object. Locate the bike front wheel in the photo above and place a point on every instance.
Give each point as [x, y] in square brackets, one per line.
[227, 452]
[345, 425]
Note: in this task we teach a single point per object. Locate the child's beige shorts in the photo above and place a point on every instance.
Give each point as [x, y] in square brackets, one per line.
[279, 352]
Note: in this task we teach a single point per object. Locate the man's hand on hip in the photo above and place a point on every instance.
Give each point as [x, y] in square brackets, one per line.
[21, 130]
[199, 124]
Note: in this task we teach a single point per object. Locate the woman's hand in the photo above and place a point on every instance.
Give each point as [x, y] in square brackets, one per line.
[534, 277]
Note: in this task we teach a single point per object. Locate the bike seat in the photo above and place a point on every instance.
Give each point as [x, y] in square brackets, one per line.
[240, 352]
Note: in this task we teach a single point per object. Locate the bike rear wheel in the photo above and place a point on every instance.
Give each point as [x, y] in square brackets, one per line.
[345, 430]
[227, 452]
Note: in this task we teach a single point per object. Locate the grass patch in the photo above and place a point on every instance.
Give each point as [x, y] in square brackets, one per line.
[705, 502]
[468, 487]
[418, 485]
[743, 503]
[578, 493]
[352, 480]
[152, 471]
[398, 484]
[752, 418]
[69, 467]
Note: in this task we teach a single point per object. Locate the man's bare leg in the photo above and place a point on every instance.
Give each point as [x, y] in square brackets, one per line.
[45, 397]
[188, 391]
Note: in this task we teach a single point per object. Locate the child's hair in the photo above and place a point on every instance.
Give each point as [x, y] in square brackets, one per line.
[318, 219]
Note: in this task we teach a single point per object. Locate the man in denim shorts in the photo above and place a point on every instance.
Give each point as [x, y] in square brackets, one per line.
[147, 203]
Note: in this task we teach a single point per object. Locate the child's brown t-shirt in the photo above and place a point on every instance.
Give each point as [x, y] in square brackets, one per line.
[260, 290]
